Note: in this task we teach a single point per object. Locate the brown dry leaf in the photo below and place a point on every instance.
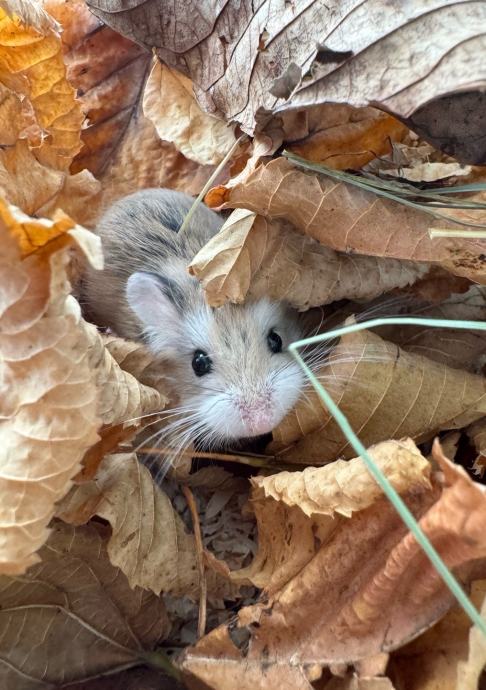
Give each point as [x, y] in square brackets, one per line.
[373, 586]
[349, 219]
[119, 145]
[149, 542]
[74, 596]
[315, 502]
[59, 383]
[385, 393]
[343, 137]
[470, 670]
[169, 102]
[238, 56]
[431, 662]
[40, 118]
[420, 163]
[255, 257]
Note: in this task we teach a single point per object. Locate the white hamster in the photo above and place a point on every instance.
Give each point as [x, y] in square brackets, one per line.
[230, 365]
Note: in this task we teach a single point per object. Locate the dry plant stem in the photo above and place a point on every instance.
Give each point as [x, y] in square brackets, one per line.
[209, 183]
[191, 503]
[262, 462]
[468, 234]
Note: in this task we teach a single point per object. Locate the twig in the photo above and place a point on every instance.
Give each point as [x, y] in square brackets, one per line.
[208, 184]
[260, 461]
[203, 585]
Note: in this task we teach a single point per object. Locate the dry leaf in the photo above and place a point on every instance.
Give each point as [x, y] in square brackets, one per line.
[40, 118]
[385, 393]
[470, 670]
[431, 661]
[368, 588]
[287, 535]
[343, 137]
[59, 382]
[239, 55]
[420, 163]
[119, 145]
[73, 616]
[149, 542]
[169, 102]
[255, 257]
[349, 219]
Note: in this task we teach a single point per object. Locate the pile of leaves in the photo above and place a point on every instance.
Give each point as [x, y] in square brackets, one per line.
[287, 568]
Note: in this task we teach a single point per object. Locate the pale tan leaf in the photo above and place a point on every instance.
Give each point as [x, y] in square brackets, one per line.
[58, 383]
[366, 589]
[346, 218]
[255, 257]
[344, 487]
[169, 102]
[149, 542]
[286, 534]
[73, 616]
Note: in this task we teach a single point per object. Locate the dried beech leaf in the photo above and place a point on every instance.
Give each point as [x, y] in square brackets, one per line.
[287, 535]
[374, 586]
[59, 384]
[385, 393]
[169, 102]
[73, 616]
[149, 542]
[346, 218]
[40, 119]
[346, 53]
[255, 257]
[344, 487]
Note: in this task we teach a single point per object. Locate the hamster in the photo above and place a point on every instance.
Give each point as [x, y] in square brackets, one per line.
[229, 365]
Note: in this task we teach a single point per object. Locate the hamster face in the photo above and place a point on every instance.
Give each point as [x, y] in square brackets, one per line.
[230, 365]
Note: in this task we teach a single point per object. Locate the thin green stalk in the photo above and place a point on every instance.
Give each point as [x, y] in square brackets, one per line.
[374, 470]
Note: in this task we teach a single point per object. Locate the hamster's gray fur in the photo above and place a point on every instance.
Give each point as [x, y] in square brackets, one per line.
[145, 292]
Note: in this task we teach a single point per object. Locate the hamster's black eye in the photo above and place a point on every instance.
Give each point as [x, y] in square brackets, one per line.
[274, 341]
[201, 363]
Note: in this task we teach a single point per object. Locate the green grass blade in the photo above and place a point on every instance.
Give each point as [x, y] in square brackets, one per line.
[374, 470]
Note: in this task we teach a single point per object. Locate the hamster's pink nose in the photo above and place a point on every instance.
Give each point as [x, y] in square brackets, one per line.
[256, 417]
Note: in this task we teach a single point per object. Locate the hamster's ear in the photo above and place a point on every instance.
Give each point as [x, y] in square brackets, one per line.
[151, 298]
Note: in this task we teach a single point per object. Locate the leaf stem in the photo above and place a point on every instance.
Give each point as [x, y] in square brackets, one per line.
[203, 585]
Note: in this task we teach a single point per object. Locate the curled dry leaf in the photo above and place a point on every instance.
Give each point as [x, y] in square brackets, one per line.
[40, 119]
[254, 256]
[350, 219]
[169, 102]
[75, 594]
[245, 60]
[149, 542]
[60, 385]
[315, 502]
[384, 392]
[433, 659]
[375, 588]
